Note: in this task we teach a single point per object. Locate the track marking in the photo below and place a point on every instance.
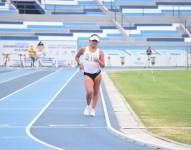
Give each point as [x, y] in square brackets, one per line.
[42, 111]
[2, 126]
[75, 126]
[21, 75]
[55, 126]
[28, 85]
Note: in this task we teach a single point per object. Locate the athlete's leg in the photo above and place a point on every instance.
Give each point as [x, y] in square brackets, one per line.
[40, 62]
[32, 61]
[7, 59]
[4, 60]
[96, 88]
[89, 84]
[149, 60]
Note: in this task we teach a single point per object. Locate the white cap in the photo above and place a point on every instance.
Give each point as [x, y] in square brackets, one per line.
[94, 37]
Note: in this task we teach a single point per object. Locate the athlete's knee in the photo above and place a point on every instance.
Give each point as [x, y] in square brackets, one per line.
[90, 93]
[96, 93]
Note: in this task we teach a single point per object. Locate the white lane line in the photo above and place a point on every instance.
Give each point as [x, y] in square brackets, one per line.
[51, 126]
[28, 85]
[42, 111]
[4, 125]
[20, 75]
[36, 108]
[7, 71]
[67, 125]
[116, 132]
[75, 126]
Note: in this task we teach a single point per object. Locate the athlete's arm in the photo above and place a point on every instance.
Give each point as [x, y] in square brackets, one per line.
[77, 57]
[101, 59]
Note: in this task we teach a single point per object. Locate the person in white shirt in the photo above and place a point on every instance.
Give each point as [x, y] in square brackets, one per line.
[40, 53]
[92, 64]
[149, 53]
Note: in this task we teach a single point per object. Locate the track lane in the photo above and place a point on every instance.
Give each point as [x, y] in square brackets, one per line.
[64, 126]
[18, 110]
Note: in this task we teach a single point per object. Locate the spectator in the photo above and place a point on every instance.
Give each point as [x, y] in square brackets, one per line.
[22, 58]
[149, 53]
[40, 53]
[32, 55]
[6, 59]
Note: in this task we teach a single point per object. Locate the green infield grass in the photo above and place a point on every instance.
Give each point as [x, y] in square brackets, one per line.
[161, 99]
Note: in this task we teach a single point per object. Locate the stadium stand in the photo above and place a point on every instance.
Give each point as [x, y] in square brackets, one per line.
[78, 19]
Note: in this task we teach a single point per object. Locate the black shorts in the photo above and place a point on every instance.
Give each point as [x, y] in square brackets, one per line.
[92, 75]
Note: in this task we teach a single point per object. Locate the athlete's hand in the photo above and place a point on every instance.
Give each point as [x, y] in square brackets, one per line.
[96, 60]
[100, 61]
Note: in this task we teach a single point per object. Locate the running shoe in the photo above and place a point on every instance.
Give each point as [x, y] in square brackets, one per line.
[92, 112]
[87, 111]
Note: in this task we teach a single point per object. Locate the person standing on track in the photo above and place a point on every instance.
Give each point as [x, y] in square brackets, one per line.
[149, 53]
[40, 53]
[93, 62]
[32, 55]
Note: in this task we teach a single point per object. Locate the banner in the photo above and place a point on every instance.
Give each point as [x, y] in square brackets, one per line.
[62, 51]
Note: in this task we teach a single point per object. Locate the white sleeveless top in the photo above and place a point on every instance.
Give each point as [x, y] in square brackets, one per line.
[39, 53]
[90, 64]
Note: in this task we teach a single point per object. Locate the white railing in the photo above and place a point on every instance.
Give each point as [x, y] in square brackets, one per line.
[114, 19]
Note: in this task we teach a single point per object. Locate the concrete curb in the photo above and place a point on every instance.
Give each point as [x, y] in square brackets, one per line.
[116, 132]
